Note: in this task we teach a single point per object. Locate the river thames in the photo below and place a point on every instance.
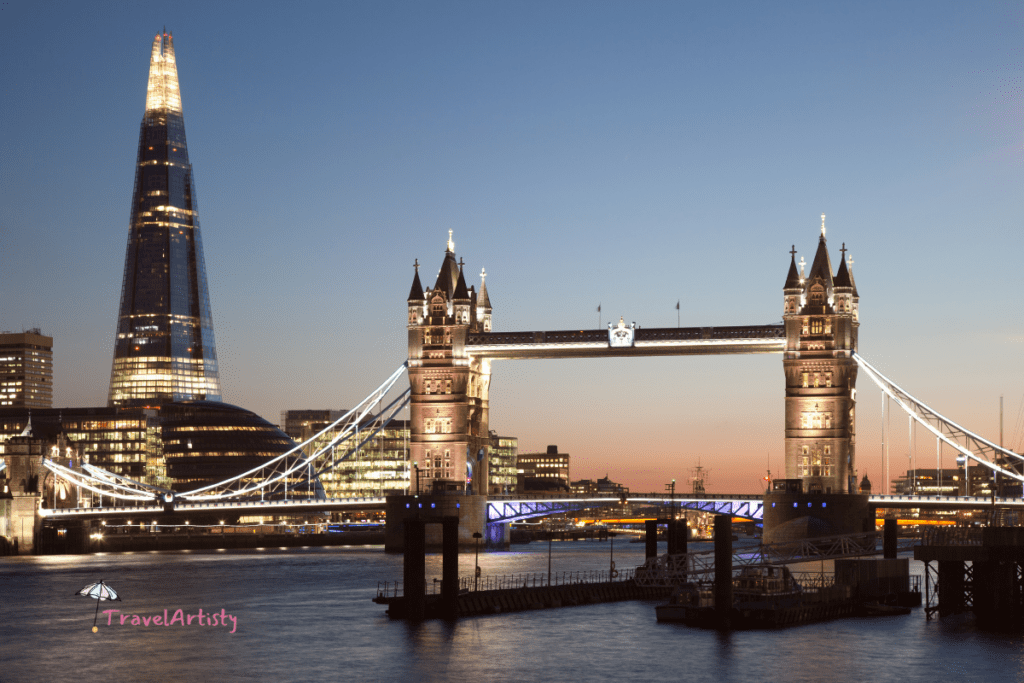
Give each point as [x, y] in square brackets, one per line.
[307, 615]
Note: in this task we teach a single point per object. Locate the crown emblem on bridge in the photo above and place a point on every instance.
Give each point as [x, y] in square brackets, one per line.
[621, 335]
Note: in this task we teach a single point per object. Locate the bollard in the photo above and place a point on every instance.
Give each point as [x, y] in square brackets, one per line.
[450, 567]
[723, 568]
[651, 528]
[889, 539]
[414, 570]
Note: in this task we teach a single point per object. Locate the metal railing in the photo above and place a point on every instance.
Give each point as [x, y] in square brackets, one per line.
[469, 584]
[951, 536]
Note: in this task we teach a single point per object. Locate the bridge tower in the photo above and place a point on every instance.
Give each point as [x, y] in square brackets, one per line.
[821, 318]
[449, 439]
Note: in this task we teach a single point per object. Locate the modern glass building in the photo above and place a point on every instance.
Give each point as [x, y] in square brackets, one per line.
[180, 446]
[165, 348]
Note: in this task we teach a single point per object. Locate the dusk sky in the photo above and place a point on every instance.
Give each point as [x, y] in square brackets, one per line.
[627, 154]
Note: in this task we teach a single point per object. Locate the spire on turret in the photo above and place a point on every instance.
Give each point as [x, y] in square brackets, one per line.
[483, 301]
[449, 273]
[843, 276]
[821, 266]
[162, 94]
[793, 278]
[416, 293]
[461, 291]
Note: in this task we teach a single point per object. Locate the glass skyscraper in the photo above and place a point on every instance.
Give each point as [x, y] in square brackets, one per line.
[165, 349]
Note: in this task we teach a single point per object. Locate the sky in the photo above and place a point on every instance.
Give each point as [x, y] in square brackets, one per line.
[621, 154]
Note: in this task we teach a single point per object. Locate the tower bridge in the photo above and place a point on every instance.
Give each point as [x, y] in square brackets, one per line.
[451, 346]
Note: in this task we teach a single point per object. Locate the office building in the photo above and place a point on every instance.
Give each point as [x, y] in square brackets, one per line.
[26, 369]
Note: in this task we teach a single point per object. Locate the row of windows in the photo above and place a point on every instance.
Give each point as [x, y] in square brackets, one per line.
[816, 462]
[434, 386]
[437, 425]
[816, 420]
[818, 379]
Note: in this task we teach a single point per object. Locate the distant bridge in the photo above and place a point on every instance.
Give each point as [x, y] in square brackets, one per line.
[514, 508]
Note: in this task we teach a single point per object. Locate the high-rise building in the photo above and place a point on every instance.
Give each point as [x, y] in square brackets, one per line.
[26, 369]
[821, 314]
[165, 348]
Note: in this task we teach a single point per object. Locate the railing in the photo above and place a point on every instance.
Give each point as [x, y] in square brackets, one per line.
[469, 584]
[951, 536]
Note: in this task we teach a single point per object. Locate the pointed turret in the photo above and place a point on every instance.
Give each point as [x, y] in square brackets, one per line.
[842, 278]
[416, 292]
[483, 301]
[822, 265]
[483, 304]
[460, 299]
[461, 291]
[449, 273]
[793, 277]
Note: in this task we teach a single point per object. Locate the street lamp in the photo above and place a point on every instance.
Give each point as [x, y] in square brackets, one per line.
[476, 574]
[551, 537]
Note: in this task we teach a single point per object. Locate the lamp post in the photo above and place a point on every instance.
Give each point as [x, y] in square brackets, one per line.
[551, 537]
[476, 573]
[416, 468]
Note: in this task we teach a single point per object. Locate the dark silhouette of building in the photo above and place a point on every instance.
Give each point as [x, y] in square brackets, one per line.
[821, 318]
[26, 369]
[164, 350]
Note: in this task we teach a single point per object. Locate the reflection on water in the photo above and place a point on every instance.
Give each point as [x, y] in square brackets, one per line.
[306, 614]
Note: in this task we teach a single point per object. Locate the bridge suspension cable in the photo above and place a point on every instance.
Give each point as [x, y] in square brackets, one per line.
[966, 442]
[320, 453]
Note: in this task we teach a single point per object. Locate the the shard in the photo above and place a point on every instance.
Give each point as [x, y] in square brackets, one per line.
[164, 349]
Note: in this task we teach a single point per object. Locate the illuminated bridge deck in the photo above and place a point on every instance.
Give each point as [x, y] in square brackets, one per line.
[665, 341]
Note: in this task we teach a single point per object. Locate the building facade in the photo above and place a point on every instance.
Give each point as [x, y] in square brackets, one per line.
[449, 439]
[543, 471]
[164, 349]
[180, 446]
[821, 315]
[26, 369]
[502, 466]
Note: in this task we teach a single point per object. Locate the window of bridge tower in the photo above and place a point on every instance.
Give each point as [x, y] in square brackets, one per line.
[447, 386]
[817, 325]
[805, 375]
[828, 379]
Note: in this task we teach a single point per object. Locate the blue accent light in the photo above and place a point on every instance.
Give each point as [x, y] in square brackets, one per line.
[458, 505]
[808, 503]
[823, 504]
[419, 504]
[406, 506]
[773, 504]
[432, 505]
[794, 504]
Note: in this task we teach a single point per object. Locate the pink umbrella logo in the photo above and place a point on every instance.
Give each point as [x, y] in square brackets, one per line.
[98, 591]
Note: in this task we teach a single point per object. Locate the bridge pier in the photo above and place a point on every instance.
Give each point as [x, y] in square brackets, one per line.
[471, 512]
[723, 569]
[792, 515]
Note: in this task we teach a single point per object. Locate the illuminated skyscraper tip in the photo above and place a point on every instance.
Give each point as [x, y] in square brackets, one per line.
[164, 350]
[822, 225]
[451, 245]
[162, 94]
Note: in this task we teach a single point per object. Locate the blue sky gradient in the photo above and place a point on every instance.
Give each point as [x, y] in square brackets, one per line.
[627, 154]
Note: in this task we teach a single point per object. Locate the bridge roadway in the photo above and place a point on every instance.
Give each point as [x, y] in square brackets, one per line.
[665, 341]
[515, 508]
